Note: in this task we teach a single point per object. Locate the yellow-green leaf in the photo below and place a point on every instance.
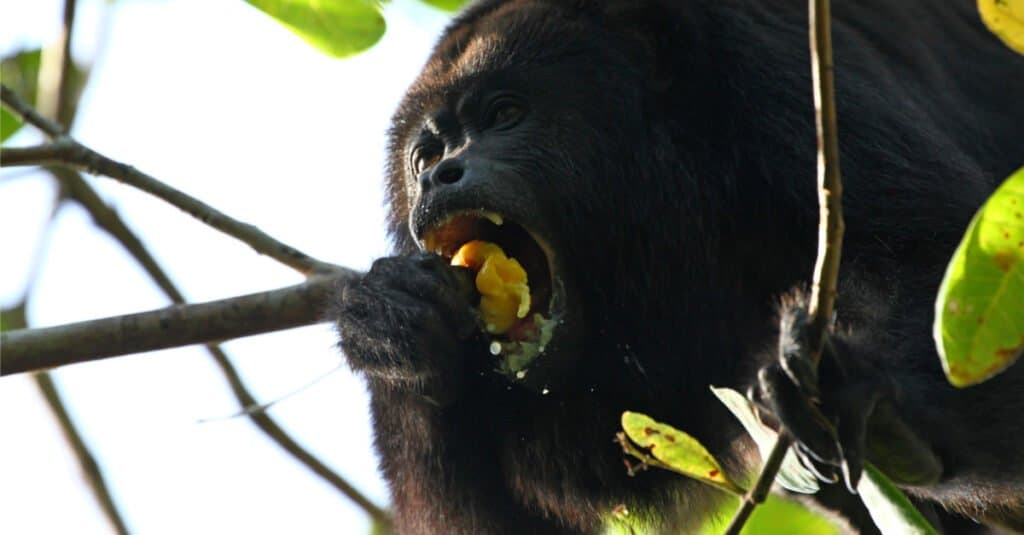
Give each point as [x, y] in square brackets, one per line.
[979, 313]
[1005, 18]
[777, 515]
[19, 71]
[447, 5]
[338, 28]
[890, 509]
[380, 528]
[13, 318]
[678, 450]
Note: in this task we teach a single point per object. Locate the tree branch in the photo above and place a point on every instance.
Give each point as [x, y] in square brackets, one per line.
[263, 421]
[28, 114]
[830, 227]
[64, 150]
[58, 98]
[107, 219]
[204, 323]
[46, 154]
[762, 487]
[90, 467]
[56, 90]
[830, 185]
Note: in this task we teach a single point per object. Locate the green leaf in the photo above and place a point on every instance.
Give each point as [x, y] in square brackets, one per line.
[447, 5]
[20, 72]
[338, 28]
[9, 124]
[776, 515]
[890, 509]
[792, 475]
[13, 318]
[379, 528]
[979, 313]
[679, 451]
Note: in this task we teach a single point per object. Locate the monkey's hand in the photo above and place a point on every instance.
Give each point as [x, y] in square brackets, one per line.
[840, 412]
[406, 323]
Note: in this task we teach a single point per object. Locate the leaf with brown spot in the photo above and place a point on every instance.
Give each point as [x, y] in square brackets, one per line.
[681, 453]
[979, 313]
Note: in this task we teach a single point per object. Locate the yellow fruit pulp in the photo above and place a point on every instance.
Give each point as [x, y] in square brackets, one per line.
[501, 281]
[1005, 18]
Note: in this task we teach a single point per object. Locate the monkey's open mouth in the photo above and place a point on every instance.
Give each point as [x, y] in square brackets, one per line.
[529, 333]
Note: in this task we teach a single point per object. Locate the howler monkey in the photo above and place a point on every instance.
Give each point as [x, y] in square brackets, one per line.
[650, 164]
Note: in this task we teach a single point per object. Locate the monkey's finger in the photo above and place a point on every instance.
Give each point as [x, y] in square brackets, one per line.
[800, 417]
[855, 407]
[801, 371]
[823, 472]
[428, 277]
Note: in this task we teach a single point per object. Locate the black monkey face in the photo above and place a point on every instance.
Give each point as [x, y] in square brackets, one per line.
[470, 175]
[508, 136]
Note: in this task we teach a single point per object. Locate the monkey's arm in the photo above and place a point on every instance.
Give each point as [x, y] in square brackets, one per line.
[408, 327]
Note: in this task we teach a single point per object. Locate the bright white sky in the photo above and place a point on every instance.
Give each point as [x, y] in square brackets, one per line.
[221, 102]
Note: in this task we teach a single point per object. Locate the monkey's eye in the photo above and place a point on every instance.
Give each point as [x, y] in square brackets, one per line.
[425, 155]
[505, 112]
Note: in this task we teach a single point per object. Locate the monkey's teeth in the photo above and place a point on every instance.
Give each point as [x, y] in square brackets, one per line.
[430, 243]
[494, 218]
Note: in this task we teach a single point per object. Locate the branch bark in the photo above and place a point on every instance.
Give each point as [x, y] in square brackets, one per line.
[57, 98]
[56, 94]
[65, 151]
[107, 219]
[204, 323]
[265, 423]
[93, 473]
[830, 229]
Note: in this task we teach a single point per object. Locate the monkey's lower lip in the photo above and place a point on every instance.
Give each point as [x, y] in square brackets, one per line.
[517, 347]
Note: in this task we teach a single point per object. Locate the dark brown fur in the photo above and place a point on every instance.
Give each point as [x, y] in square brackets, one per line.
[668, 157]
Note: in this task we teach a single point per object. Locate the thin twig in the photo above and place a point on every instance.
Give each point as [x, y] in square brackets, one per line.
[176, 326]
[48, 153]
[60, 103]
[67, 102]
[90, 467]
[830, 225]
[107, 219]
[762, 487]
[64, 150]
[44, 382]
[55, 95]
[830, 186]
[268, 426]
[28, 114]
